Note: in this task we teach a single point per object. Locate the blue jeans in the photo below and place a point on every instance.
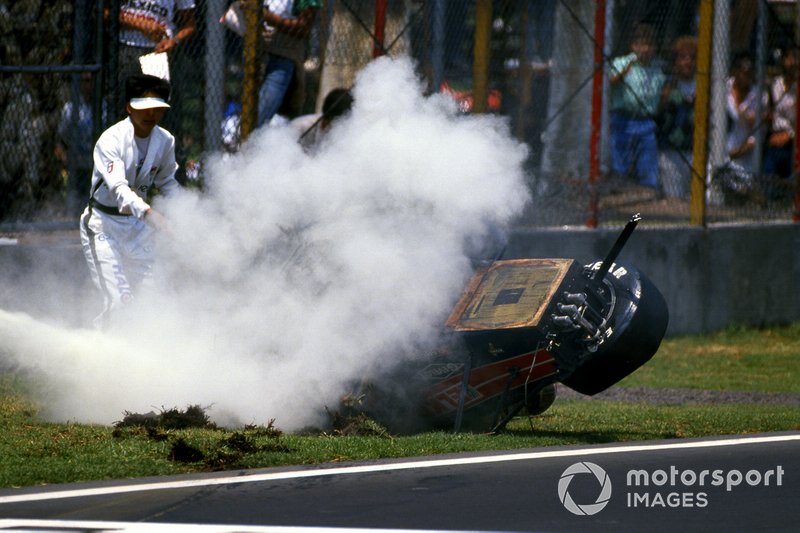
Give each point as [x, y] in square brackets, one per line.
[634, 148]
[778, 160]
[276, 83]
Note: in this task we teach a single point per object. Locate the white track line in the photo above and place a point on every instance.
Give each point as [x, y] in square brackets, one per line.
[408, 465]
[151, 527]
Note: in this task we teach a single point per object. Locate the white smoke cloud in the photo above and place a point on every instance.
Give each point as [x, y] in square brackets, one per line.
[294, 274]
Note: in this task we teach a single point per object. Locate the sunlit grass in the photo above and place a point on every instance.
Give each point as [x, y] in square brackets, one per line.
[34, 452]
[737, 359]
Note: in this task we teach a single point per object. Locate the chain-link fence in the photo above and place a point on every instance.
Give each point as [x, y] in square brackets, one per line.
[639, 121]
[603, 92]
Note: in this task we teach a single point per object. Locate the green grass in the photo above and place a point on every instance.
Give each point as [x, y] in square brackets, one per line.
[738, 359]
[34, 452]
[599, 422]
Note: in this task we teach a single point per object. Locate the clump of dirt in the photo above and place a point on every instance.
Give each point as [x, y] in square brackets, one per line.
[183, 452]
[270, 430]
[193, 417]
[231, 450]
[227, 452]
[357, 424]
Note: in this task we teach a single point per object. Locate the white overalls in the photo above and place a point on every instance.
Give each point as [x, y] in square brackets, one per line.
[117, 243]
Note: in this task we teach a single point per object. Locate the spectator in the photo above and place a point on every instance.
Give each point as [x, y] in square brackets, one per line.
[288, 27]
[676, 120]
[232, 117]
[314, 127]
[778, 160]
[231, 128]
[635, 94]
[131, 158]
[74, 144]
[742, 106]
[148, 26]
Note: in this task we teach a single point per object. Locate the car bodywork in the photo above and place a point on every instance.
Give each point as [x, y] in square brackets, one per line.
[520, 327]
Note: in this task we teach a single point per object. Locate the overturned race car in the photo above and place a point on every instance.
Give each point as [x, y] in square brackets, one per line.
[520, 327]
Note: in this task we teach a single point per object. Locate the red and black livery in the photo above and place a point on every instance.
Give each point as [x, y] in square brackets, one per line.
[522, 326]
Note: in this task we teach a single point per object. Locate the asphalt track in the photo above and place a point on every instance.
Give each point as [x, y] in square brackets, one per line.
[742, 483]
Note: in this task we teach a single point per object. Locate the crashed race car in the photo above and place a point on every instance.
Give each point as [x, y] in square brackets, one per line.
[520, 327]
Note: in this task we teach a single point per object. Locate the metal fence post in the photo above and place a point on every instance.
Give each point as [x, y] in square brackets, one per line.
[718, 116]
[761, 81]
[796, 212]
[111, 71]
[252, 38]
[597, 110]
[480, 65]
[380, 28]
[99, 118]
[214, 78]
[437, 48]
[701, 105]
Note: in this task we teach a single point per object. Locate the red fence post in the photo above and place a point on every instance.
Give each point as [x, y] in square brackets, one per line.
[597, 110]
[796, 214]
[380, 28]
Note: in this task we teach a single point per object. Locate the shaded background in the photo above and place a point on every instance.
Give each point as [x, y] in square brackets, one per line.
[539, 75]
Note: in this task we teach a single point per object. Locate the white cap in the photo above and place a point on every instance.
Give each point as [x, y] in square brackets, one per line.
[148, 102]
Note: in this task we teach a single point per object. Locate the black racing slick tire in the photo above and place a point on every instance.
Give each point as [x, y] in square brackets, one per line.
[638, 321]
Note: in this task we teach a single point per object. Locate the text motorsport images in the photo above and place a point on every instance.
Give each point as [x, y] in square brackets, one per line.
[656, 489]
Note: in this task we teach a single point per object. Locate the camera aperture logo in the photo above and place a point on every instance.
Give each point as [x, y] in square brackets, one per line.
[585, 508]
[661, 488]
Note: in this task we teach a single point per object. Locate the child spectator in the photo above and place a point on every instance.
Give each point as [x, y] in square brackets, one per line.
[676, 120]
[635, 94]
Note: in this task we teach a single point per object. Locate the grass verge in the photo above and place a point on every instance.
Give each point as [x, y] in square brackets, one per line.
[736, 359]
[34, 452]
